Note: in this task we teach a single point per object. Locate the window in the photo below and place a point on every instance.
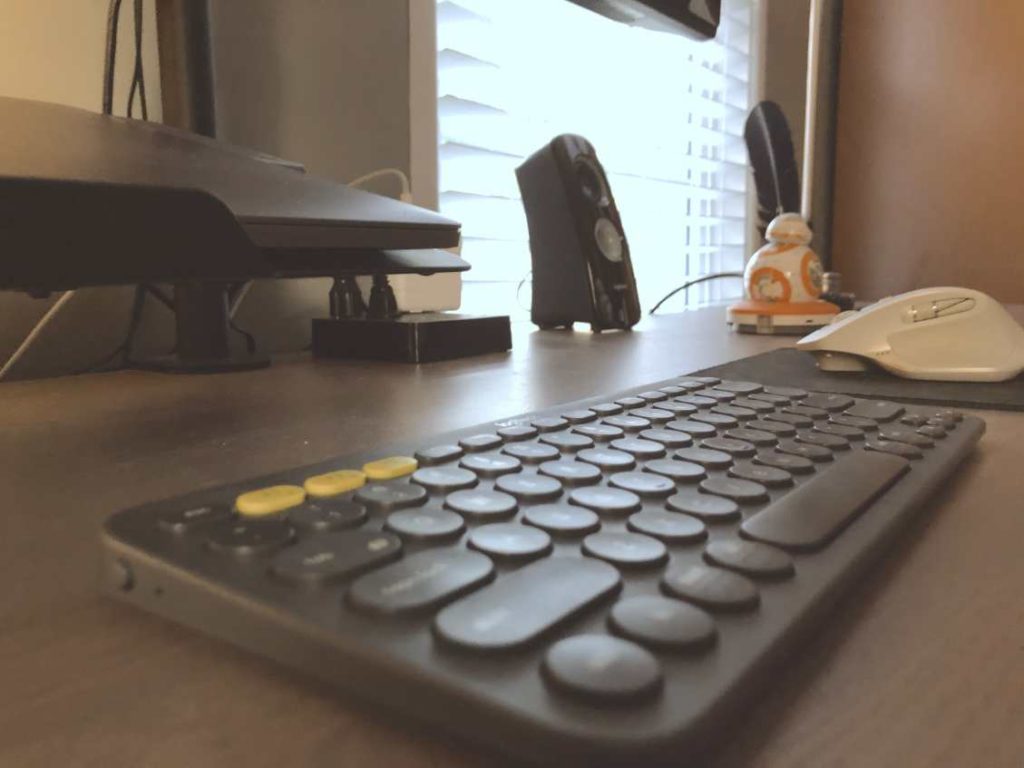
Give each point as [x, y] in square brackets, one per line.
[665, 114]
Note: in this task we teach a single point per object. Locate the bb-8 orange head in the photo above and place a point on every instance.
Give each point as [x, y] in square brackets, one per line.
[785, 269]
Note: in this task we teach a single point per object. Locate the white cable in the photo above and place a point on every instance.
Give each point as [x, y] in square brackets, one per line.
[34, 333]
[406, 194]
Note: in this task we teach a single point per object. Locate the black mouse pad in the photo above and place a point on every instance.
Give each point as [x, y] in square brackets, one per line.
[793, 368]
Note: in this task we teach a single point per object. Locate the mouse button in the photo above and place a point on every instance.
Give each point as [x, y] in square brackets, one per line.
[946, 307]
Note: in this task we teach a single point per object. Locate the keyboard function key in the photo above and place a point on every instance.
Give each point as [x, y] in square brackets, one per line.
[181, 521]
[758, 406]
[914, 420]
[827, 401]
[491, 464]
[653, 395]
[390, 467]
[712, 588]
[631, 401]
[516, 432]
[718, 395]
[482, 442]
[420, 582]
[669, 527]
[334, 483]
[602, 668]
[444, 479]
[327, 515]
[388, 497]
[324, 559]
[510, 541]
[248, 538]
[750, 558]
[906, 435]
[893, 447]
[567, 441]
[562, 519]
[791, 393]
[609, 501]
[625, 550]
[838, 430]
[270, 500]
[739, 387]
[792, 419]
[876, 410]
[480, 504]
[663, 624]
[933, 431]
[710, 509]
[549, 423]
[858, 422]
[644, 484]
[428, 525]
[579, 416]
[600, 433]
[438, 454]
[606, 409]
[672, 390]
[769, 399]
[806, 411]
[520, 607]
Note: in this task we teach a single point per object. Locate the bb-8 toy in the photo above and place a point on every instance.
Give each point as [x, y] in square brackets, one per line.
[782, 283]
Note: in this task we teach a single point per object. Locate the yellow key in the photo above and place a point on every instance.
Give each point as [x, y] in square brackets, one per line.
[268, 501]
[392, 466]
[333, 483]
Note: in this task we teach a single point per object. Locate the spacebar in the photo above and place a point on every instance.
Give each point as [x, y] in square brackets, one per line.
[813, 514]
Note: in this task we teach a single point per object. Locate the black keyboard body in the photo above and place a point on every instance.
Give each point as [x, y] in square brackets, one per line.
[510, 615]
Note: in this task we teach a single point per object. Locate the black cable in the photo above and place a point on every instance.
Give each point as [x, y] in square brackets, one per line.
[519, 288]
[124, 349]
[250, 342]
[138, 76]
[110, 56]
[695, 281]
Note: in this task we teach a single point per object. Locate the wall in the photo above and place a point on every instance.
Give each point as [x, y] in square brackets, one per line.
[326, 83]
[930, 147]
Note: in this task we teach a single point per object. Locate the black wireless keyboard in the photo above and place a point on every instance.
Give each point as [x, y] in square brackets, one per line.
[607, 582]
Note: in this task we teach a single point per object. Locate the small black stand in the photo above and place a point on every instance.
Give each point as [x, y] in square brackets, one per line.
[202, 320]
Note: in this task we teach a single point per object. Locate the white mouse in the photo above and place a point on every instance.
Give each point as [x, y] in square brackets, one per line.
[942, 334]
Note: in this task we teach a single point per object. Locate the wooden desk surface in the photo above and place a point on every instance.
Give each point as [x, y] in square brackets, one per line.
[922, 665]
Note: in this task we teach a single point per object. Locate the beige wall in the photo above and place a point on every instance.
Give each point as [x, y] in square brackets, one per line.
[326, 83]
[930, 147]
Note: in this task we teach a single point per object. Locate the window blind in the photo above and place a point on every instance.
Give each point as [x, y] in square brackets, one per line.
[665, 114]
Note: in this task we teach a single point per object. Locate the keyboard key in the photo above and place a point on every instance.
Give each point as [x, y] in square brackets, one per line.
[607, 458]
[653, 395]
[716, 419]
[793, 419]
[269, 501]
[893, 447]
[876, 410]
[672, 390]
[859, 422]
[181, 521]
[676, 408]
[479, 503]
[914, 420]
[579, 416]
[798, 465]
[718, 395]
[510, 541]
[839, 430]
[531, 453]
[521, 606]
[388, 497]
[389, 468]
[611, 501]
[420, 582]
[653, 415]
[439, 454]
[728, 445]
[758, 406]
[906, 435]
[606, 409]
[770, 399]
[324, 559]
[631, 401]
[334, 483]
[247, 538]
[517, 432]
[484, 442]
[627, 422]
[692, 428]
[567, 441]
[491, 464]
[571, 472]
[626, 550]
[752, 436]
[708, 381]
[832, 442]
[710, 509]
[530, 488]
[706, 457]
[562, 519]
[807, 450]
[737, 412]
[712, 588]
[327, 515]
[812, 514]
[669, 527]
[771, 477]
[641, 449]
[662, 624]
[549, 423]
[933, 431]
[743, 491]
[680, 471]
[643, 483]
[600, 433]
[949, 414]
[827, 402]
[751, 558]
[670, 438]
[805, 411]
[697, 401]
[425, 524]
[790, 392]
[444, 479]
[739, 387]
[603, 668]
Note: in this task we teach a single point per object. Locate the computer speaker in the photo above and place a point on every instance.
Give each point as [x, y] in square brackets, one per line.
[581, 266]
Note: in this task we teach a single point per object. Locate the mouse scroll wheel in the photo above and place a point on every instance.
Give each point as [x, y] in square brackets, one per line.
[926, 310]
